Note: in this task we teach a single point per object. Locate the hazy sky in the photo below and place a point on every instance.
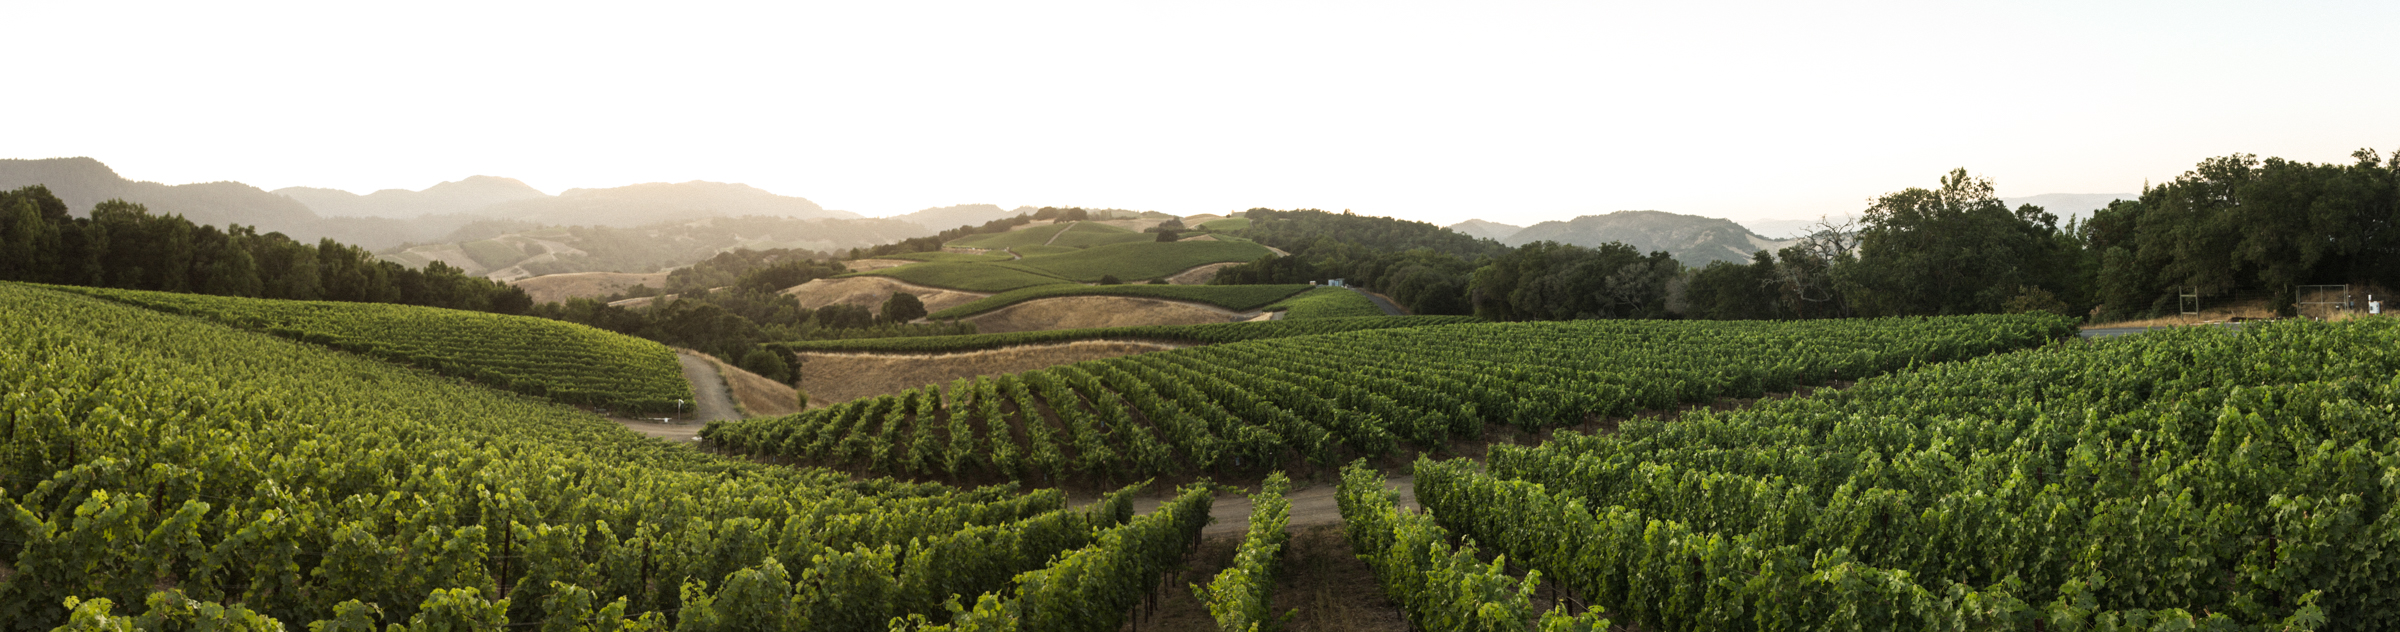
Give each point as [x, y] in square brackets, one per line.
[1508, 111]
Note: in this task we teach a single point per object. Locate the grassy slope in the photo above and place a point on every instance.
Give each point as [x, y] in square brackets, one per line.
[971, 276]
[1325, 302]
[1230, 223]
[1137, 261]
[1211, 333]
[1091, 234]
[949, 256]
[1033, 236]
[563, 361]
[1233, 297]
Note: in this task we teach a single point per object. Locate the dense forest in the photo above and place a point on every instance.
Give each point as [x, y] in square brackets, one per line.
[2233, 226]
[123, 245]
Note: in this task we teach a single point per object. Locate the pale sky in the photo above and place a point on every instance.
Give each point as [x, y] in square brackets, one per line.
[1508, 111]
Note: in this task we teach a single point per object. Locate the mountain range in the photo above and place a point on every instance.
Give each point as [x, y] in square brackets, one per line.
[1691, 239]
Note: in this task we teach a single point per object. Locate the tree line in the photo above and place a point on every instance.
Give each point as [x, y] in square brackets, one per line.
[123, 245]
[2234, 224]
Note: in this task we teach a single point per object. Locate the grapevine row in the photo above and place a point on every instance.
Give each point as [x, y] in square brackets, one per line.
[1252, 405]
[1091, 590]
[1437, 586]
[1214, 333]
[1241, 597]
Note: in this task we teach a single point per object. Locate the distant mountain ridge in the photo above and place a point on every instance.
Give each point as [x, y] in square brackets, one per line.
[1494, 231]
[462, 196]
[392, 217]
[948, 217]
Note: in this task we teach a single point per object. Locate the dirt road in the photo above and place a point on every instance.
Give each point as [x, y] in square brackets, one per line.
[711, 401]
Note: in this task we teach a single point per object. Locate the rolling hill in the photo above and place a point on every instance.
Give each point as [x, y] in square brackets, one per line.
[1693, 240]
[449, 198]
[509, 251]
[1494, 231]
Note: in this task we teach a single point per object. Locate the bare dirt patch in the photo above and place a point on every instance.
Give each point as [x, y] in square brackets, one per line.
[1201, 275]
[556, 288]
[863, 265]
[1077, 312]
[832, 378]
[871, 291]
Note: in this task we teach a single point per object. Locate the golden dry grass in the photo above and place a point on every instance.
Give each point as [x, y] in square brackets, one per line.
[2249, 310]
[1201, 275]
[759, 396]
[555, 288]
[1078, 312]
[871, 291]
[832, 378]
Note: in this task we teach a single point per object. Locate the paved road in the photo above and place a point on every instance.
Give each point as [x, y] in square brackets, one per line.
[713, 403]
[1388, 308]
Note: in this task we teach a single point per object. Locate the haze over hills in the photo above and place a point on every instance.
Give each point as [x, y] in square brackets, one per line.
[948, 217]
[1494, 231]
[1692, 239]
[463, 196]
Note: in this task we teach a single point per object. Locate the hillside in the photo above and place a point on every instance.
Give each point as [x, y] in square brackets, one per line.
[643, 204]
[948, 217]
[84, 182]
[464, 196]
[1494, 231]
[507, 251]
[1691, 239]
[563, 361]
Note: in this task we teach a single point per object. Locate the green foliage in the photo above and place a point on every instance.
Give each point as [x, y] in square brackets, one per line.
[562, 361]
[2237, 223]
[1135, 260]
[768, 364]
[902, 307]
[1551, 281]
[1227, 224]
[493, 254]
[1421, 266]
[1233, 297]
[122, 245]
[969, 276]
[1211, 333]
[297, 484]
[1091, 589]
[1031, 236]
[1324, 302]
[1241, 598]
[1166, 236]
[1108, 279]
[2206, 478]
[1093, 234]
[1244, 406]
[1953, 250]
[950, 256]
[1438, 587]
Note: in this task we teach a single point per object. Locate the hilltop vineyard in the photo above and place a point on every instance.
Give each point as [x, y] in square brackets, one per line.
[166, 472]
[562, 361]
[2180, 479]
[1322, 398]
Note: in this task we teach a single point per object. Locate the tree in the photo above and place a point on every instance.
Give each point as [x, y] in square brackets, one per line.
[1110, 279]
[1953, 250]
[767, 364]
[1168, 235]
[902, 307]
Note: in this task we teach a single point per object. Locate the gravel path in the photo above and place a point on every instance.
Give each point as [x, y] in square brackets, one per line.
[713, 402]
[1054, 236]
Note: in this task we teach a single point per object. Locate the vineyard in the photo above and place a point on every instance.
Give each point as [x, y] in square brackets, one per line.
[2181, 479]
[1325, 302]
[1232, 297]
[166, 472]
[1254, 405]
[562, 361]
[1212, 333]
